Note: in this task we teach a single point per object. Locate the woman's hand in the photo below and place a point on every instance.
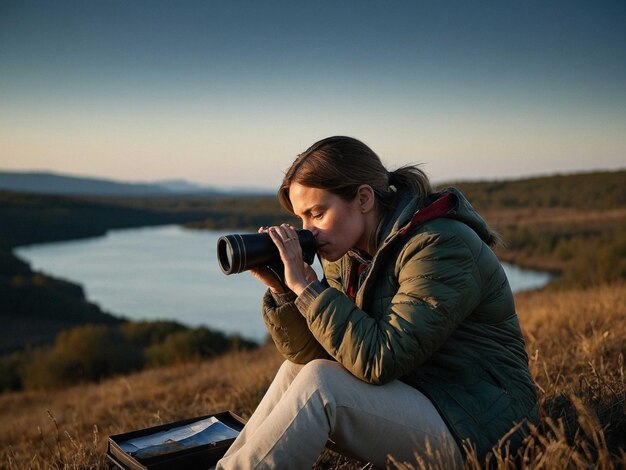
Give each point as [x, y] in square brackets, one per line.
[298, 274]
[266, 275]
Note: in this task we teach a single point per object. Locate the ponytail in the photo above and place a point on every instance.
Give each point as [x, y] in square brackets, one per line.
[412, 178]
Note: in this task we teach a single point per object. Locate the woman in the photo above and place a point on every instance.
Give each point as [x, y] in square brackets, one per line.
[409, 348]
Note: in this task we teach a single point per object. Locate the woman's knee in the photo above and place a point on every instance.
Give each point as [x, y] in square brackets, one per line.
[322, 373]
[288, 371]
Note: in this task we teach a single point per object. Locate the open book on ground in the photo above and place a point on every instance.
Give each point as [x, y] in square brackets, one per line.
[205, 431]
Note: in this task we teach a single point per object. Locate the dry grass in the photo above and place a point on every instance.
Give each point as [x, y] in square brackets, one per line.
[576, 342]
[68, 428]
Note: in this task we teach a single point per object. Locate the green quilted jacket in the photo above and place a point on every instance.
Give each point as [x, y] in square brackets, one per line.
[435, 310]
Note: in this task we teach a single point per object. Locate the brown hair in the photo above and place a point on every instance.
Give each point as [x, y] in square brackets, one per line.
[341, 164]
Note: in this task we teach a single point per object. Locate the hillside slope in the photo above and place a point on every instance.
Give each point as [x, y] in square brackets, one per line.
[574, 341]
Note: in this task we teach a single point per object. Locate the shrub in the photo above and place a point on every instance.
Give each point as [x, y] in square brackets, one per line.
[147, 333]
[85, 353]
[187, 345]
[10, 378]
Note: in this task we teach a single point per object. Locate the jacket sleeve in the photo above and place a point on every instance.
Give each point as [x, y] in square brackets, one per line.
[437, 287]
[290, 332]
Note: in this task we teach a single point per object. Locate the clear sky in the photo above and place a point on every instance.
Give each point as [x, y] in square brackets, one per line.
[228, 92]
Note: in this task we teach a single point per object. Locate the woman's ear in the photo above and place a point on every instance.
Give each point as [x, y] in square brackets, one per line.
[367, 198]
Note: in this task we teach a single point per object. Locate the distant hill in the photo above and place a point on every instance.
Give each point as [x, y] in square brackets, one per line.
[53, 183]
[599, 190]
[183, 187]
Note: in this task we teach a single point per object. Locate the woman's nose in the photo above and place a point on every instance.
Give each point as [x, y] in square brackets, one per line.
[309, 226]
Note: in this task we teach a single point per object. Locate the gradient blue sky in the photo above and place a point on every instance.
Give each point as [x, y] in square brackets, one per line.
[227, 93]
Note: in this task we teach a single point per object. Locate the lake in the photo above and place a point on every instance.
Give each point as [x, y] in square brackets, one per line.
[169, 272]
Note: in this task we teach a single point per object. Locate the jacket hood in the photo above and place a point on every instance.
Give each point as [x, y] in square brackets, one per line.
[456, 206]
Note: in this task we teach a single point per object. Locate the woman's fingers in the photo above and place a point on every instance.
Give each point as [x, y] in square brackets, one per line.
[287, 232]
[286, 239]
[287, 236]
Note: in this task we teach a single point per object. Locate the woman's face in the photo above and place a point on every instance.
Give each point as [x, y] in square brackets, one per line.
[338, 225]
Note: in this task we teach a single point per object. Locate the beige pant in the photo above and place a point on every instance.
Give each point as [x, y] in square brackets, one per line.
[306, 406]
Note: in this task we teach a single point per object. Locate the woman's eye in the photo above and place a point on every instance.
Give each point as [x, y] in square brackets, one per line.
[317, 216]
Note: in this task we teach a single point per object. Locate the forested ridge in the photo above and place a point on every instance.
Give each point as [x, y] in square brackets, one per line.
[582, 191]
[34, 218]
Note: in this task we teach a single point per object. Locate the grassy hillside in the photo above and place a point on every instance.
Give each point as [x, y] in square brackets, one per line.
[575, 339]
